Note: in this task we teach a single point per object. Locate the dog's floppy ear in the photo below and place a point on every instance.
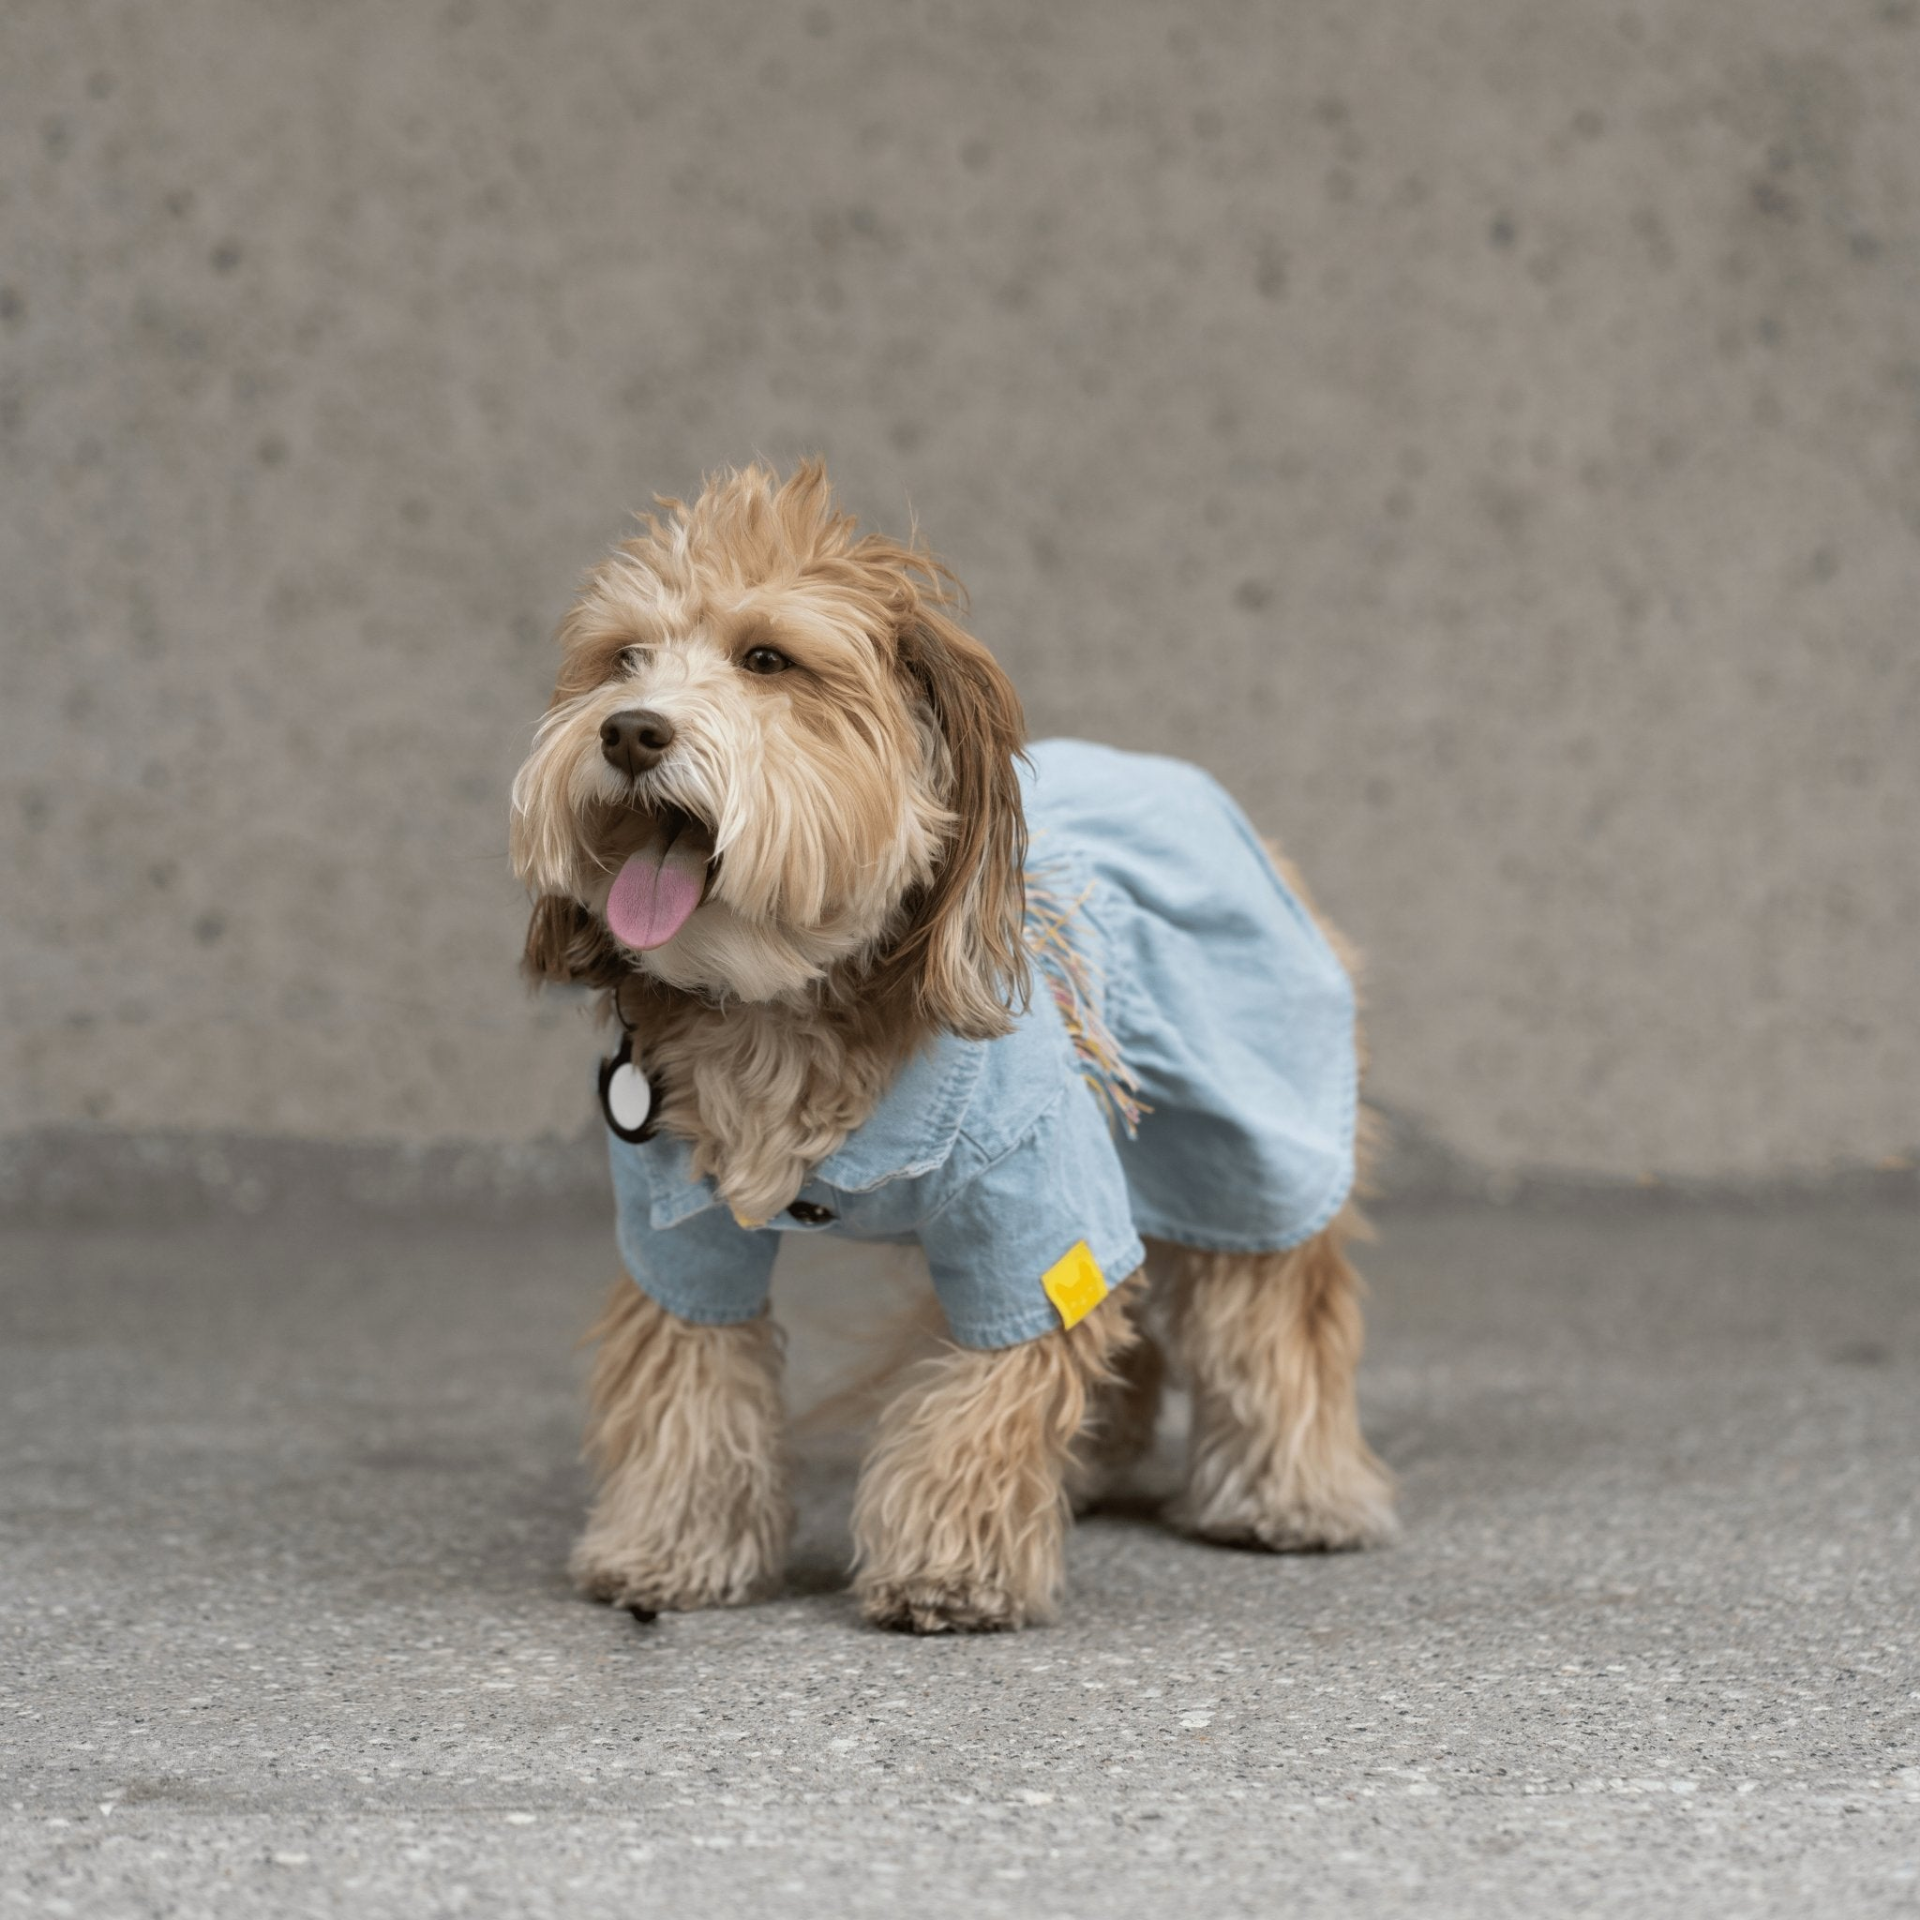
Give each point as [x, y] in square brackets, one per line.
[566, 945]
[963, 949]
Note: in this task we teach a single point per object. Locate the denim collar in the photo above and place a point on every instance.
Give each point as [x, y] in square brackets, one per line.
[911, 1132]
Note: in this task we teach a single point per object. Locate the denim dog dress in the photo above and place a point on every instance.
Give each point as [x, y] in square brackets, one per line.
[1187, 1069]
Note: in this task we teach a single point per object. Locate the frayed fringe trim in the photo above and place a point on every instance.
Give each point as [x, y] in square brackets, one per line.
[1074, 980]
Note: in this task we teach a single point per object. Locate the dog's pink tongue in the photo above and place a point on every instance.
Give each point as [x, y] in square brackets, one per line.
[656, 891]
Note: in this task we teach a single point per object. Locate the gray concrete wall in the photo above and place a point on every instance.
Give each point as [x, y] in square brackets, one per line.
[1487, 434]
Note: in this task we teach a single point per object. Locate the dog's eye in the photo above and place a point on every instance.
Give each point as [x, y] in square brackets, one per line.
[765, 660]
[632, 659]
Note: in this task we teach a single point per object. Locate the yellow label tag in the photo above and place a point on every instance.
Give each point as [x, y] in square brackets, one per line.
[1074, 1285]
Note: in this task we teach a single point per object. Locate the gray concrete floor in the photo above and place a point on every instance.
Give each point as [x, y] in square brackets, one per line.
[283, 1626]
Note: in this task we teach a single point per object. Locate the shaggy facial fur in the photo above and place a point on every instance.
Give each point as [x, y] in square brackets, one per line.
[772, 813]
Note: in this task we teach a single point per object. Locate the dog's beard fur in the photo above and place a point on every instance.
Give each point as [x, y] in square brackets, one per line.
[865, 882]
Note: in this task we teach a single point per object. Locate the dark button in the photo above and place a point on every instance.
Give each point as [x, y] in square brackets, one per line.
[809, 1215]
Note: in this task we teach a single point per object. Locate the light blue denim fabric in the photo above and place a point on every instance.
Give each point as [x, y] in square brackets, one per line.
[1227, 1006]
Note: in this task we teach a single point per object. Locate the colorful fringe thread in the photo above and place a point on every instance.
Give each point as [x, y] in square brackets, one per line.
[1074, 982]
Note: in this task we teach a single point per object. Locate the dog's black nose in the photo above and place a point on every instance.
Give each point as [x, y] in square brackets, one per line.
[636, 739]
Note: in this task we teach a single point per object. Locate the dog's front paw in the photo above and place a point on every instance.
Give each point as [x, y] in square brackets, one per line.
[649, 1583]
[927, 1604]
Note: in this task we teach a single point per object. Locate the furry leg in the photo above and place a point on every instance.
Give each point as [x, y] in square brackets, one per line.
[1121, 1421]
[685, 1431]
[1268, 1344]
[960, 1520]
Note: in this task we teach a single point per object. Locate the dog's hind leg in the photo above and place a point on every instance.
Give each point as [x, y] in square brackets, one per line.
[1122, 1415]
[686, 1434]
[1267, 1343]
[960, 1520]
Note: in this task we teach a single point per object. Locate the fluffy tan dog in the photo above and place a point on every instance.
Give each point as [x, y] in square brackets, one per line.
[774, 813]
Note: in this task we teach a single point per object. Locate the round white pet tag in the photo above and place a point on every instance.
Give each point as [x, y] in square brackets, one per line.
[626, 1094]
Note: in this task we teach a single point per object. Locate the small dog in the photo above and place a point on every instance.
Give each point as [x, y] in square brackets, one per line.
[779, 813]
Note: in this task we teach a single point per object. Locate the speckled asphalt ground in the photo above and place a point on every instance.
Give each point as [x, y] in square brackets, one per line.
[283, 1626]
